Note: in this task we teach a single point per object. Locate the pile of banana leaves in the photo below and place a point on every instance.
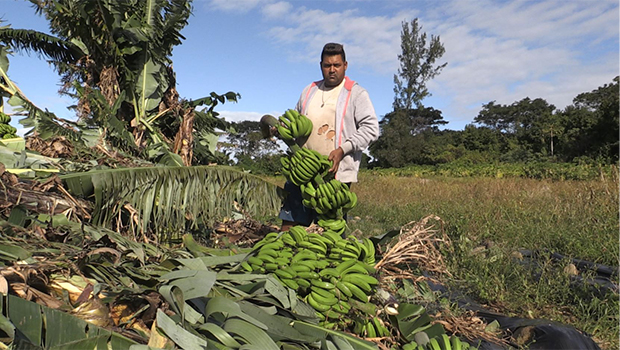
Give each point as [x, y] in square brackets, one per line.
[68, 281]
[67, 285]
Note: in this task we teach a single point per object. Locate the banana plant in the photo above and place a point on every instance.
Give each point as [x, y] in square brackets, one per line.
[122, 51]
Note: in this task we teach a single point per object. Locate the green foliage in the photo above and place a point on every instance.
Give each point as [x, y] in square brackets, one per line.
[590, 125]
[265, 165]
[41, 43]
[251, 150]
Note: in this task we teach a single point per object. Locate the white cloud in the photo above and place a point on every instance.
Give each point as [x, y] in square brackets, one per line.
[237, 116]
[276, 10]
[549, 22]
[509, 51]
[370, 41]
[233, 5]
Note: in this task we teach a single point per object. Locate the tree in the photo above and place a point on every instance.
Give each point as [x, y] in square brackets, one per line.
[247, 139]
[590, 124]
[117, 63]
[401, 141]
[402, 136]
[417, 66]
[529, 121]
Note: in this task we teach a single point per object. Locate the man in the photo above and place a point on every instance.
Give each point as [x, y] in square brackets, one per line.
[344, 124]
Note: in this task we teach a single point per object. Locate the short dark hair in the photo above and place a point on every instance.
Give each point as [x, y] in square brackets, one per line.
[331, 49]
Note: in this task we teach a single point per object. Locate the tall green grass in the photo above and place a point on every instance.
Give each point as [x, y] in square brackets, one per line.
[490, 219]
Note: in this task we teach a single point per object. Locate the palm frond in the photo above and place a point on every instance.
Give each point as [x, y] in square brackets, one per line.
[171, 199]
[41, 43]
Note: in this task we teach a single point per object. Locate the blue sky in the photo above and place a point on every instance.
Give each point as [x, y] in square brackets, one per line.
[268, 50]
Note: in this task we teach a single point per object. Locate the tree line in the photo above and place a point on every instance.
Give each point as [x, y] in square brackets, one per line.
[526, 130]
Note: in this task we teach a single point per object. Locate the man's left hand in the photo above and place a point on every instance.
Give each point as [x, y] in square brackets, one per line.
[335, 156]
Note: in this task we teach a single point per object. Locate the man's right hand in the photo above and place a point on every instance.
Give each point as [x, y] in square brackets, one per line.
[268, 126]
[335, 156]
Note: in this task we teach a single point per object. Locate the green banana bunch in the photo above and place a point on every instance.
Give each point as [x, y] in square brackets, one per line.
[7, 131]
[333, 196]
[337, 226]
[4, 118]
[293, 125]
[304, 165]
[326, 270]
[369, 251]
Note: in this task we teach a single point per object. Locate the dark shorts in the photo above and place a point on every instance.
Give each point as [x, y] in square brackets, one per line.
[293, 209]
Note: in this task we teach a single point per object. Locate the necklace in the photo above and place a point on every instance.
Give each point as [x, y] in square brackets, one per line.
[323, 97]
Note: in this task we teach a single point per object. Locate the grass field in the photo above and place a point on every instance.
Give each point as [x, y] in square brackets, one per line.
[496, 218]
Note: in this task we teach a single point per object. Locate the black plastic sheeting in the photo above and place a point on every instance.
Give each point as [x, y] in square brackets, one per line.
[540, 333]
[599, 284]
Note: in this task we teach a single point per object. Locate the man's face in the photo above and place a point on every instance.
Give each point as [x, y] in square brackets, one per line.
[333, 69]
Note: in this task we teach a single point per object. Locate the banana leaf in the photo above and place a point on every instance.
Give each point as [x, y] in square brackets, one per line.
[193, 283]
[412, 319]
[179, 335]
[255, 337]
[39, 327]
[322, 333]
[278, 327]
[168, 198]
[24, 159]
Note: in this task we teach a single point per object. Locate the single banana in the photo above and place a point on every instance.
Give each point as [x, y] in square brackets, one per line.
[271, 267]
[273, 245]
[322, 284]
[356, 291]
[311, 264]
[256, 261]
[303, 283]
[267, 251]
[370, 330]
[317, 306]
[360, 280]
[343, 266]
[290, 283]
[301, 268]
[382, 331]
[328, 301]
[356, 267]
[329, 272]
[434, 344]
[445, 342]
[308, 275]
[456, 343]
[282, 273]
[246, 266]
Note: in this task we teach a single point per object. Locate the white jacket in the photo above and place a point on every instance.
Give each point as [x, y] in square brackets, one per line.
[356, 125]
